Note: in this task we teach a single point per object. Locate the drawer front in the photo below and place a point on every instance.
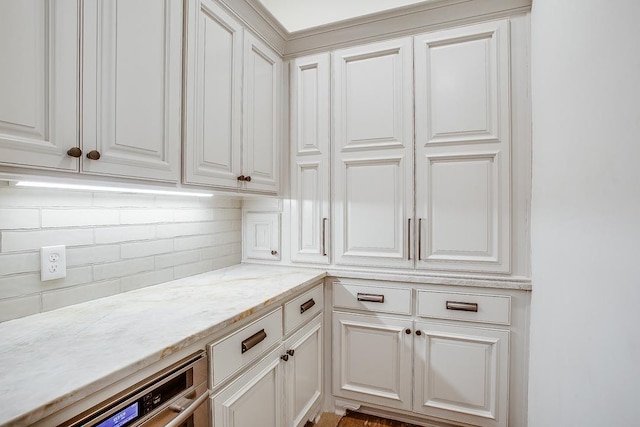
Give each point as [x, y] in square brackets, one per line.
[303, 308]
[244, 346]
[384, 299]
[465, 306]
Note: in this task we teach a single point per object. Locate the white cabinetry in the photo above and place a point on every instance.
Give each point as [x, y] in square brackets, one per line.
[232, 130]
[131, 88]
[373, 154]
[39, 83]
[463, 148]
[310, 123]
[386, 355]
[262, 235]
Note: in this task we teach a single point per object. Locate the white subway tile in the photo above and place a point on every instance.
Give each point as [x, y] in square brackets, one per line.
[79, 217]
[124, 234]
[173, 202]
[13, 308]
[122, 268]
[142, 249]
[146, 216]
[192, 269]
[137, 281]
[226, 261]
[222, 202]
[193, 215]
[222, 226]
[236, 225]
[226, 238]
[110, 200]
[191, 242]
[52, 300]
[92, 255]
[33, 197]
[177, 258]
[13, 241]
[19, 263]
[25, 284]
[188, 229]
[222, 214]
[12, 219]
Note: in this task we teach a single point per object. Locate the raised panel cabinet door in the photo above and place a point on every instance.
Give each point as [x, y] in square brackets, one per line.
[261, 116]
[304, 373]
[213, 101]
[254, 399]
[373, 154]
[372, 359]
[38, 83]
[310, 134]
[463, 140]
[262, 235]
[462, 373]
[132, 80]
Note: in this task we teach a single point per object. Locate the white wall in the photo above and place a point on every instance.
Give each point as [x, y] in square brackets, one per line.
[115, 243]
[585, 317]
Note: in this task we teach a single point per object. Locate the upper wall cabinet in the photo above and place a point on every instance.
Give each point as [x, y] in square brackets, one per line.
[463, 148]
[38, 83]
[373, 154]
[232, 127]
[310, 134]
[131, 94]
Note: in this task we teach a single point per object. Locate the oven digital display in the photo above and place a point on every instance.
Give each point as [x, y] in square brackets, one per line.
[122, 417]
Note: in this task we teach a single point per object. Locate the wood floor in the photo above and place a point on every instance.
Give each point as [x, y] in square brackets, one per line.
[354, 419]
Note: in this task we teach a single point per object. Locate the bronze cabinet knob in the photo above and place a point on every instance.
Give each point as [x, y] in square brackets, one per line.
[407, 331]
[418, 332]
[74, 152]
[247, 178]
[291, 352]
[241, 178]
[274, 252]
[284, 357]
[93, 155]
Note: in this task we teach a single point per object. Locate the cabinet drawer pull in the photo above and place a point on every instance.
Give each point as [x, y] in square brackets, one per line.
[93, 155]
[462, 306]
[370, 297]
[74, 152]
[409, 239]
[253, 340]
[307, 305]
[324, 238]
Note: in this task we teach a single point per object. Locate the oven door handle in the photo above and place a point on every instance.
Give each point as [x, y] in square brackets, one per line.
[188, 411]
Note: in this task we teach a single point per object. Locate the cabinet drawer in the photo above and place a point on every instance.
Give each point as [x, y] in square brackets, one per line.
[465, 306]
[303, 308]
[241, 347]
[385, 299]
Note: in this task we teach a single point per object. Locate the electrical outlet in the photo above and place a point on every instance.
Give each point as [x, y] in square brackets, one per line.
[53, 262]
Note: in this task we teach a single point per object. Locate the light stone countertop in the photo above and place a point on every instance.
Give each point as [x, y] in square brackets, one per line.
[51, 360]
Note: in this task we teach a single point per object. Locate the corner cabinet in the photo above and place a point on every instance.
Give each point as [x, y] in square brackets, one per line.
[232, 123]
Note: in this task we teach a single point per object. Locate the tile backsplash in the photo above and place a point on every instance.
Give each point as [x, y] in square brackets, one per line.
[114, 243]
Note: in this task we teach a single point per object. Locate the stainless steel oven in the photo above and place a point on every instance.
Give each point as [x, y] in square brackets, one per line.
[174, 397]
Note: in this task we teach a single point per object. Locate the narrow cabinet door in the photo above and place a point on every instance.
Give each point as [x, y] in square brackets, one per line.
[262, 235]
[38, 83]
[303, 373]
[373, 154]
[254, 399]
[463, 148]
[132, 79]
[372, 359]
[213, 100]
[261, 116]
[310, 94]
[462, 373]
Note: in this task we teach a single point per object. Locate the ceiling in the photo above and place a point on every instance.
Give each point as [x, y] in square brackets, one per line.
[298, 15]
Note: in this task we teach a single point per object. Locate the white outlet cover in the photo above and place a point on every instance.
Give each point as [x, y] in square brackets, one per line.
[53, 262]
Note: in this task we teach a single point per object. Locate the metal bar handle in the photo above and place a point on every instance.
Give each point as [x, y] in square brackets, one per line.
[462, 306]
[371, 297]
[307, 305]
[419, 239]
[253, 340]
[324, 238]
[188, 411]
[409, 239]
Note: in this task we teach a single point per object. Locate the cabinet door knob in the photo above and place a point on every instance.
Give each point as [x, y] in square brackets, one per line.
[93, 155]
[407, 331]
[274, 252]
[418, 332]
[247, 178]
[291, 352]
[74, 152]
[241, 178]
[284, 357]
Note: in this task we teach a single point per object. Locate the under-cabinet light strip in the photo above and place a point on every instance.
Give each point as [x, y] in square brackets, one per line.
[37, 184]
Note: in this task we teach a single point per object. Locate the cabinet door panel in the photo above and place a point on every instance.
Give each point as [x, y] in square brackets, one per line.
[373, 154]
[132, 88]
[372, 359]
[212, 153]
[310, 159]
[261, 118]
[462, 373]
[463, 192]
[38, 83]
[262, 235]
[254, 399]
